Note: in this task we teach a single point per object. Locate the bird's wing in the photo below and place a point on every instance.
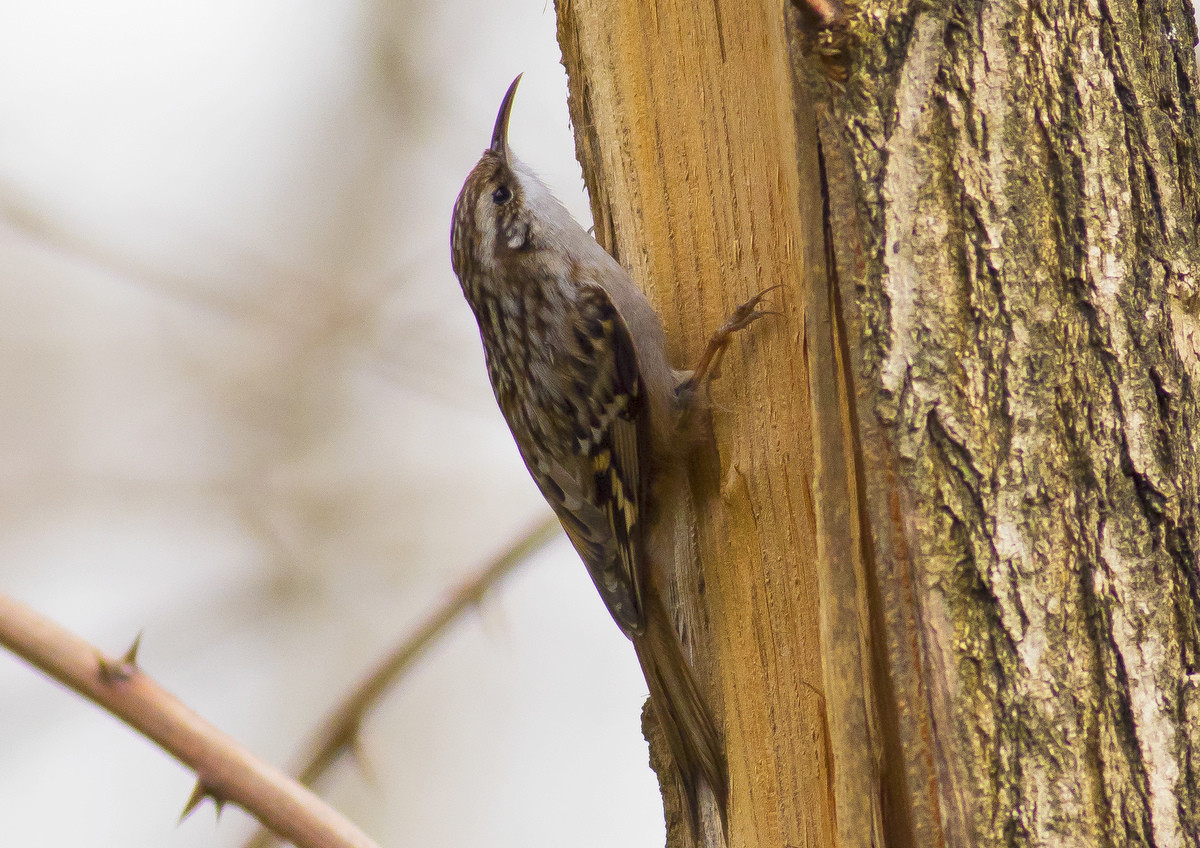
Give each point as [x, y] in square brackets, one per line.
[597, 489]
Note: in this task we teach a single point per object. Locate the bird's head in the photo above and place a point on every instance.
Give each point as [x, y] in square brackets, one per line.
[502, 210]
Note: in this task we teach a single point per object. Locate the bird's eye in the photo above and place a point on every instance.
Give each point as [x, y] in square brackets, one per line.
[501, 195]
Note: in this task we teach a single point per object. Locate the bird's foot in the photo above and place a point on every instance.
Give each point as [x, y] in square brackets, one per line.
[709, 366]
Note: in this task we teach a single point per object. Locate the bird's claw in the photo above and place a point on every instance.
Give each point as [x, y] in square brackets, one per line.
[748, 312]
[710, 363]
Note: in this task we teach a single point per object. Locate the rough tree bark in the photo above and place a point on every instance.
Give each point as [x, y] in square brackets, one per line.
[948, 589]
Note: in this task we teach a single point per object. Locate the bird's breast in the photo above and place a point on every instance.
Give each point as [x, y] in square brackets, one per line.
[532, 368]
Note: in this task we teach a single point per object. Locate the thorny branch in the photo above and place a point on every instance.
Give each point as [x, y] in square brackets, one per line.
[338, 733]
[225, 771]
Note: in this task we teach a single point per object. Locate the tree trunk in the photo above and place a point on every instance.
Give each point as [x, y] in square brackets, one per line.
[948, 549]
[684, 126]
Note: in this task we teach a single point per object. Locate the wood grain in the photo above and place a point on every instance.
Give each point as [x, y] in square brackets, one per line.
[702, 187]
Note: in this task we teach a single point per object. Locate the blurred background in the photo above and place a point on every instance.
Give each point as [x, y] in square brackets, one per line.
[243, 409]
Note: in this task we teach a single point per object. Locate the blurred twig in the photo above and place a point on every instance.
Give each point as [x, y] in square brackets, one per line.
[225, 771]
[338, 733]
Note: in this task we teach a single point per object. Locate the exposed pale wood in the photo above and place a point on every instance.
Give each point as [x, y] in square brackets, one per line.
[703, 187]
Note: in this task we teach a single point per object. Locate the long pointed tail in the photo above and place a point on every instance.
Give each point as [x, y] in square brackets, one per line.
[682, 713]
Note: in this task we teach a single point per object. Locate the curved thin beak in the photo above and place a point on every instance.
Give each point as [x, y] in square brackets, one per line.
[500, 133]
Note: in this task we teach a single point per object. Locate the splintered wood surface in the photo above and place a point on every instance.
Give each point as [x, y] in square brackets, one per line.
[704, 184]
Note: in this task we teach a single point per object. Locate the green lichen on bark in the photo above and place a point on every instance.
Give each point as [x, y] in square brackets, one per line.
[1028, 334]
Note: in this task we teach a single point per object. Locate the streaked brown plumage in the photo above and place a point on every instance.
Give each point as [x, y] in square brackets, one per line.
[577, 359]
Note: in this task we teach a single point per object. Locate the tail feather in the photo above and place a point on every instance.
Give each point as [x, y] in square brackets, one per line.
[682, 713]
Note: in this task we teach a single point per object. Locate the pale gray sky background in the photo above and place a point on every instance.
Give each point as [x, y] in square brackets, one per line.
[245, 411]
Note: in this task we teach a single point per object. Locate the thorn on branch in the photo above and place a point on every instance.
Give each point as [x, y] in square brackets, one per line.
[130, 657]
[117, 671]
[227, 771]
[199, 793]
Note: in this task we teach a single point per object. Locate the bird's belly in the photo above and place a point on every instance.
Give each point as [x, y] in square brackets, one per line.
[535, 400]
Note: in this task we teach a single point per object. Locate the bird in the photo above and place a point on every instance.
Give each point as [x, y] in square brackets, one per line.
[577, 359]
